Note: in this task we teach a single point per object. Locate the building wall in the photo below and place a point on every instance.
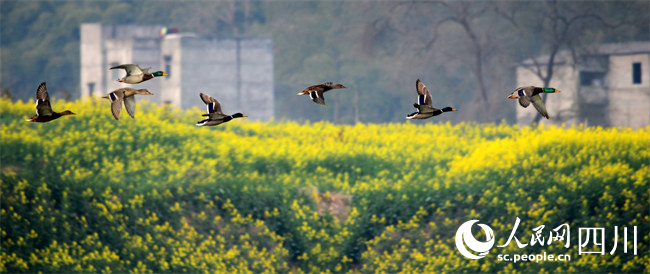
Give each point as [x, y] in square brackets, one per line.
[211, 63]
[105, 45]
[144, 52]
[116, 52]
[561, 107]
[171, 63]
[257, 78]
[236, 71]
[132, 31]
[91, 59]
[628, 102]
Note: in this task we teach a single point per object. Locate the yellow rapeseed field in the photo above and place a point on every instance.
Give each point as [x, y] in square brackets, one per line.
[86, 193]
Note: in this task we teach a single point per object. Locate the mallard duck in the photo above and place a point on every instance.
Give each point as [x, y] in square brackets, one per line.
[135, 75]
[424, 105]
[531, 94]
[126, 95]
[44, 111]
[316, 91]
[215, 116]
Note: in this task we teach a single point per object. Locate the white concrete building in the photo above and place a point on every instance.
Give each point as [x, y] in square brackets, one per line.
[609, 87]
[104, 46]
[236, 71]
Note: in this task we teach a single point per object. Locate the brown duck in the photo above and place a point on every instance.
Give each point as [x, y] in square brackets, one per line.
[126, 96]
[424, 104]
[316, 91]
[44, 111]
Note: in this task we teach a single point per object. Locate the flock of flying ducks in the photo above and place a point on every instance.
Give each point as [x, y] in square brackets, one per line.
[215, 116]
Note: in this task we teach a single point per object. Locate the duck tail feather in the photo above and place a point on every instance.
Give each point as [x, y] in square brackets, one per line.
[201, 123]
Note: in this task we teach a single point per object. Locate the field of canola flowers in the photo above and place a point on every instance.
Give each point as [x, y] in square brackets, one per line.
[87, 194]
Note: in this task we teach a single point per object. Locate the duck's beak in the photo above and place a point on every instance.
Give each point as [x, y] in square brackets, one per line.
[244, 115]
[165, 74]
[557, 90]
[148, 93]
[300, 93]
[106, 97]
[121, 81]
[453, 109]
[512, 97]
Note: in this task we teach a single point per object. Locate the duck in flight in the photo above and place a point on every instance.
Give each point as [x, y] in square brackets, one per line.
[316, 91]
[214, 113]
[424, 106]
[44, 112]
[135, 75]
[124, 96]
[529, 94]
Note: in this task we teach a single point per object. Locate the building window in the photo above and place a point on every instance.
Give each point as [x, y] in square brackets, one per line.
[168, 65]
[636, 73]
[115, 72]
[91, 88]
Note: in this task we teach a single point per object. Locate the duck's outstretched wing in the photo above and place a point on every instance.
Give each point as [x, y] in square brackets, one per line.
[117, 99]
[317, 97]
[212, 105]
[129, 105]
[131, 69]
[539, 105]
[424, 97]
[524, 101]
[43, 107]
